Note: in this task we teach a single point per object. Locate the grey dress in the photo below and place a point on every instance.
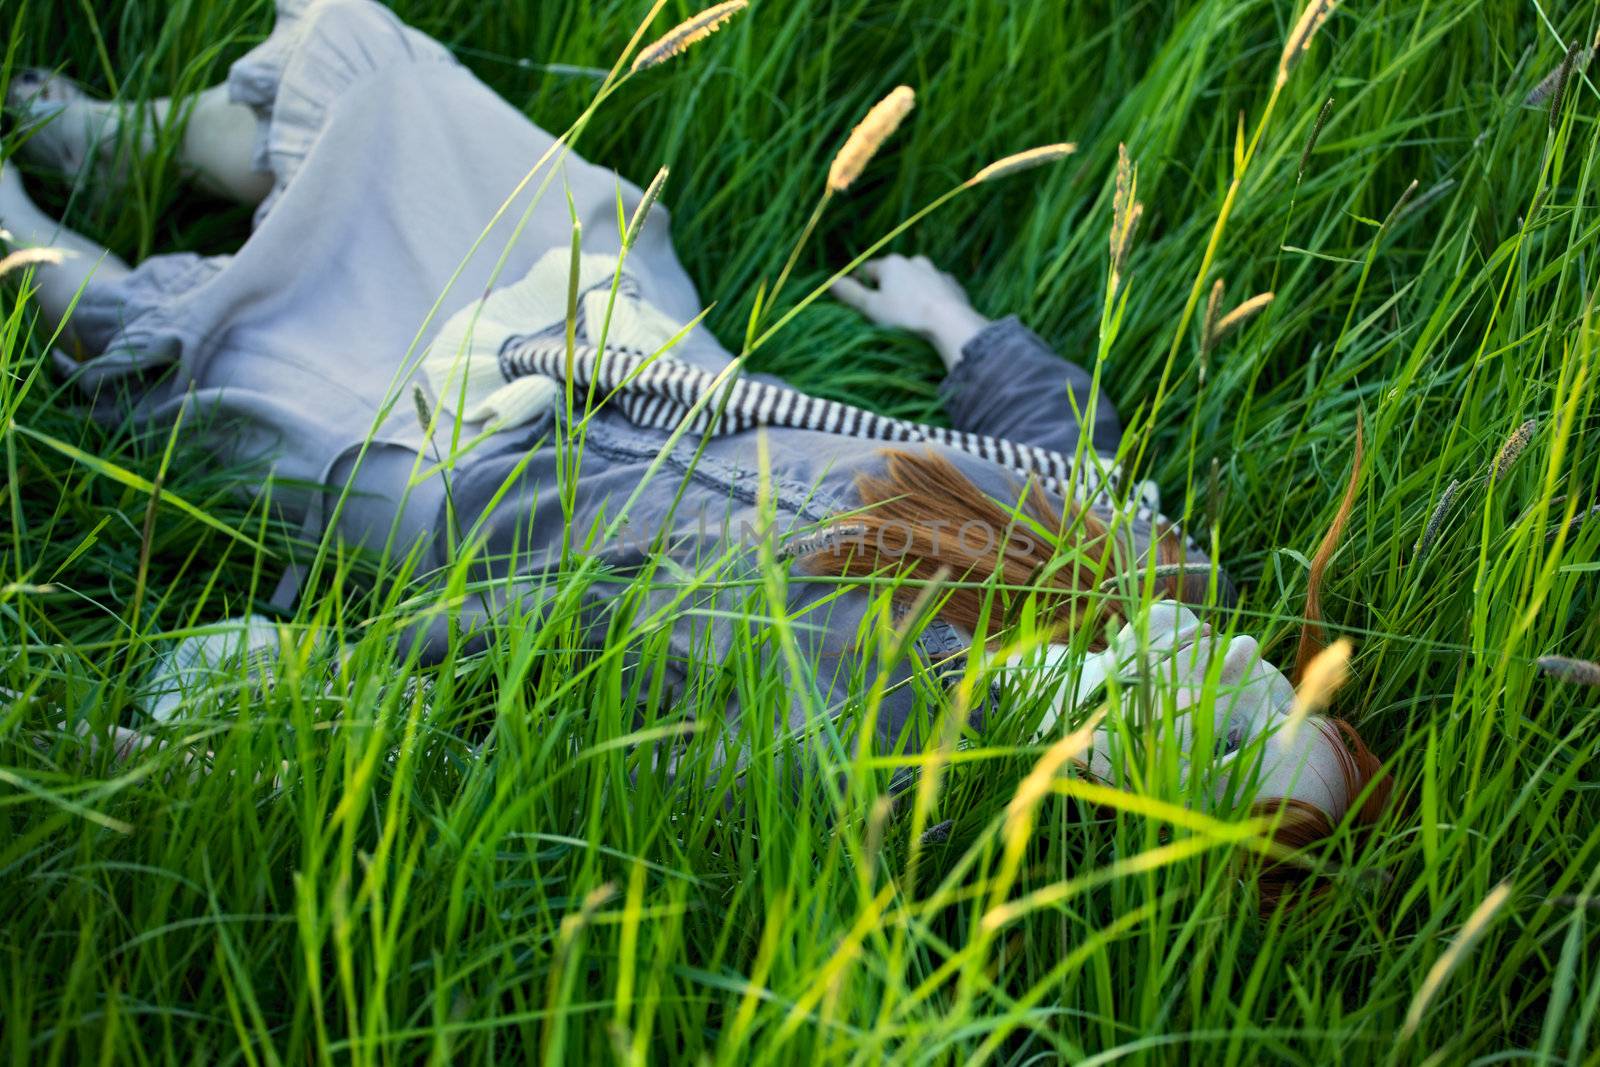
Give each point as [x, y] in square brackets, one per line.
[390, 160]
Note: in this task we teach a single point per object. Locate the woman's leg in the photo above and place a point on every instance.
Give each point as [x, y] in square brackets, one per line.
[219, 146]
[76, 130]
[27, 227]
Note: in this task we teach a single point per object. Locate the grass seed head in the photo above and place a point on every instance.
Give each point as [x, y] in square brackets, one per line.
[641, 214]
[1213, 309]
[1240, 314]
[1576, 671]
[574, 921]
[1471, 930]
[877, 822]
[1327, 671]
[1515, 445]
[31, 257]
[687, 34]
[868, 136]
[1020, 161]
[1399, 209]
[1430, 532]
[1560, 95]
[1550, 82]
[1574, 527]
[1553, 86]
[1125, 213]
[1208, 325]
[1300, 38]
[1311, 141]
[424, 410]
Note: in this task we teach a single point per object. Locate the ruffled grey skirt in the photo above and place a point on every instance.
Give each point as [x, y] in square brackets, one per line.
[400, 182]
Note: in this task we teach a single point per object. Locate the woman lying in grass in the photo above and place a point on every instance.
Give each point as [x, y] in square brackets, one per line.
[454, 427]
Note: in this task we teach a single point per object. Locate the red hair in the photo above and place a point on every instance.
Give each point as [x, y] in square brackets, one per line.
[905, 526]
[1298, 826]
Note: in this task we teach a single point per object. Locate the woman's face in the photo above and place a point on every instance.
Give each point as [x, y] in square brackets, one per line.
[1248, 700]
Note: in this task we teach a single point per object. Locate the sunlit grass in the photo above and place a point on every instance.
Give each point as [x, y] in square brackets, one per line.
[535, 849]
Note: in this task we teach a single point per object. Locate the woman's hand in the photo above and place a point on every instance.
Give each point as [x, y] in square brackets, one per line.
[913, 294]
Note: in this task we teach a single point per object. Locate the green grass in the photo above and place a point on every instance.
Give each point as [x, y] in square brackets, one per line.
[490, 867]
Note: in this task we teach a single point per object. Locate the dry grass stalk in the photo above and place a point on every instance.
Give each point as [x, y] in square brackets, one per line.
[687, 34]
[1312, 640]
[1576, 671]
[1322, 677]
[1430, 532]
[1471, 930]
[641, 214]
[1125, 213]
[29, 257]
[1300, 38]
[1244, 311]
[1311, 142]
[868, 136]
[1020, 161]
[1515, 445]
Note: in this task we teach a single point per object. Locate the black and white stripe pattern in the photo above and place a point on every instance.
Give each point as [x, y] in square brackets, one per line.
[660, 393]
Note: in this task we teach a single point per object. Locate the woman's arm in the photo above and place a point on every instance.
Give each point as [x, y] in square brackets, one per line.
[1004, 381]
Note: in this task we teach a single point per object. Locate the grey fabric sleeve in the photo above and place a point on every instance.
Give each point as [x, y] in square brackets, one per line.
[1010, 384]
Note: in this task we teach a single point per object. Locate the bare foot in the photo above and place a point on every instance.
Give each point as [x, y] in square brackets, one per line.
[37, 87]
[64, 128]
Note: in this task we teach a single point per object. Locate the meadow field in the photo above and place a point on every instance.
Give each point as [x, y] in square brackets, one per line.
[373, 860]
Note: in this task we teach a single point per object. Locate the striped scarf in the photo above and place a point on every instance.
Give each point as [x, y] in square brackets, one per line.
[661, 393]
